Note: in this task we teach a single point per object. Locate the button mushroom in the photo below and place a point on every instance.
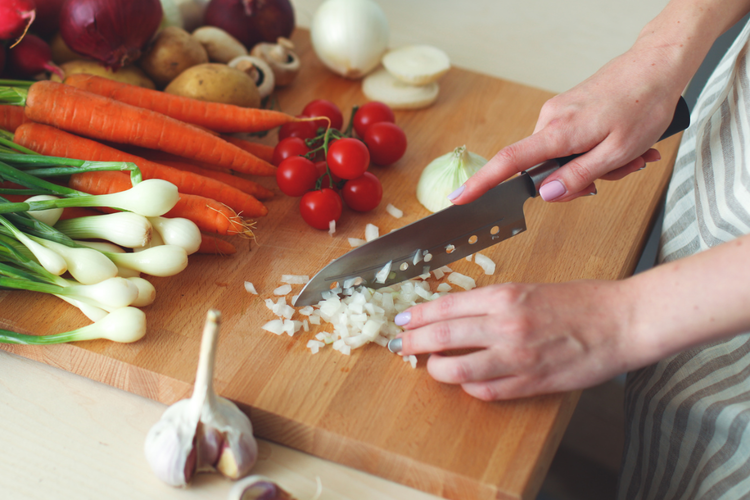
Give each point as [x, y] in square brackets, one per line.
[281, 57]
[259, 70]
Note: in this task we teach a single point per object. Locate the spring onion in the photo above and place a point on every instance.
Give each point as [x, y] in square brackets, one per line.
[122, 228]
[49, 217]
[86, 265]
[127, 324]
[163, 260]
[178, 231]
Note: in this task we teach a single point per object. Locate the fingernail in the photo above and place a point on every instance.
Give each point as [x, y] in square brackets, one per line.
[394, 345]
[593, 192]
[455, 194]
[644, 166]
[402, 318]
[552, 190]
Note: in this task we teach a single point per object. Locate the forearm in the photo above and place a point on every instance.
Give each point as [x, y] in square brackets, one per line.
[691, 301]
[678, 39]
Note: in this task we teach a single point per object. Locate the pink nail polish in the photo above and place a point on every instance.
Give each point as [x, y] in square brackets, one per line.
[552, 190]
[455, 194]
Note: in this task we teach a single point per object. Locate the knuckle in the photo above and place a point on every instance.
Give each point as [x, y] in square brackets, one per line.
[442, 335]
[484, 392]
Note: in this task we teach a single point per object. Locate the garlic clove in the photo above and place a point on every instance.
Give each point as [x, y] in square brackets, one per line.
[258, 488]
[169, 447]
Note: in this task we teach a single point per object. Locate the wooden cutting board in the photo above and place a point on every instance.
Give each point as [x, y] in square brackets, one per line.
[370, 410]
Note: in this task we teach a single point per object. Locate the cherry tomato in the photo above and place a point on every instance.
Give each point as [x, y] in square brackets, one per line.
[372, 112]
[296, 175]
[386, 142]
[348, 158]
[325, 181]
[363, 193]
[321, 107]
[291, 146]
[303, 130]
[318, 208]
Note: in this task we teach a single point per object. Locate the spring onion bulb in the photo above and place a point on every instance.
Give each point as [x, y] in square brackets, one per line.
[92, 312]
[113, 292]
[444, 175]
[150, 198]
[127, 324]
[146, 292]
[49, 216]
[50, 260]
[86, 265]
[102, 246]
[164, 260]
[178, 231]
[349, 36]
[122, 228]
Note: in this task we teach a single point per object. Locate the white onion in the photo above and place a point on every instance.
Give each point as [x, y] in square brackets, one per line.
[250, 288]
[465, 282]
[349, 36]
[487, 264]
[393, 211]
[371, 232]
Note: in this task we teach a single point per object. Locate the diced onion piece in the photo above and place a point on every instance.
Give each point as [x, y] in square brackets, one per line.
[355, 242]
[444, 288]
[282, 290]
[384, 87]
[274, 326]
[487, 264]
[446, 269]
[465, 282]
[371, 232]
[468, 257]
[417, 64]
[417, 257]
[382, 275]
[294, 279]
[306, 311]
[250, 288]
[393, 211]
[438, 273]
[331, 227]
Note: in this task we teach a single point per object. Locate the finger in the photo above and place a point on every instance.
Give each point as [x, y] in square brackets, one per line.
[502, 389]
[476, 302]
[478, 366]
[449, 335]
[590, 190]
[634, 166]
[509, 161]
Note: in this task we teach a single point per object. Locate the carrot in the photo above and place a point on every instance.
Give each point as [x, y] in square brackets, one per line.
[209, 215]
[54, 142]
[244, 185]
[102, 118]
[260, 150]
[161, 156]
[211, 244]
[224, 118]
[11, 117]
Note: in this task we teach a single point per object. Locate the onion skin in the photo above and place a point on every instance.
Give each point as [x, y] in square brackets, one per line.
[111, 31]
[47, 19]
[252, 21]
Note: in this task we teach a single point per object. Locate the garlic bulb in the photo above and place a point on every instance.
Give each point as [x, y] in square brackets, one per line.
[444, 175]
[349, 36]
[258, 488]
[203, 433]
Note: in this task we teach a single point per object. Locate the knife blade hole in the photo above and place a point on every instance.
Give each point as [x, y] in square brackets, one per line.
[404, 266]
[473, 239]
[495, 230]
[428, 257]
[450, 249]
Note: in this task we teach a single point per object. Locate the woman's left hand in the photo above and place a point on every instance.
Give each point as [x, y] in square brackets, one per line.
[525, 339]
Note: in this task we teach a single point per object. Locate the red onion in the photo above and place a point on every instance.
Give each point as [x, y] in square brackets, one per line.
[111, 31]
[252, 21]
[15, 17]
[2, 59]
[30, 57]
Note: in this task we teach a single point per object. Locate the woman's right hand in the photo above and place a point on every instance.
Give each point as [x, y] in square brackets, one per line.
[614, 118]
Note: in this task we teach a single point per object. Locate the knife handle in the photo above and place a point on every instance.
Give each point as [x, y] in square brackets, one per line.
[680, 122]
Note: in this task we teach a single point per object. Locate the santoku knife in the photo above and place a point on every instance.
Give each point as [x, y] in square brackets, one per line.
[447, 235]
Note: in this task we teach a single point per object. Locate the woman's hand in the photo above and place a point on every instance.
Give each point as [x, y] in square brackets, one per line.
[525, 339]
[614, 117]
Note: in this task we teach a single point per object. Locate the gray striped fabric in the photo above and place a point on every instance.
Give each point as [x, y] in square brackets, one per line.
[688, 416]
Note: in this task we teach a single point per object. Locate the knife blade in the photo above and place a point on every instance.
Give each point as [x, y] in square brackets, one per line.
[445, 236]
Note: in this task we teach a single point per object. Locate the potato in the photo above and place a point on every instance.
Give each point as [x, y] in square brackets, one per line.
[172, 51]
[129, 74]
[61, 53]
[216, 83]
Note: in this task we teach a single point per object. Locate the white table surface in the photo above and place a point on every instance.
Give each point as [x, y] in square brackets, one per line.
[66, 437]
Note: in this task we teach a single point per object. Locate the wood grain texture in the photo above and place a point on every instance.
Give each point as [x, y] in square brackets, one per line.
[370, 410]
